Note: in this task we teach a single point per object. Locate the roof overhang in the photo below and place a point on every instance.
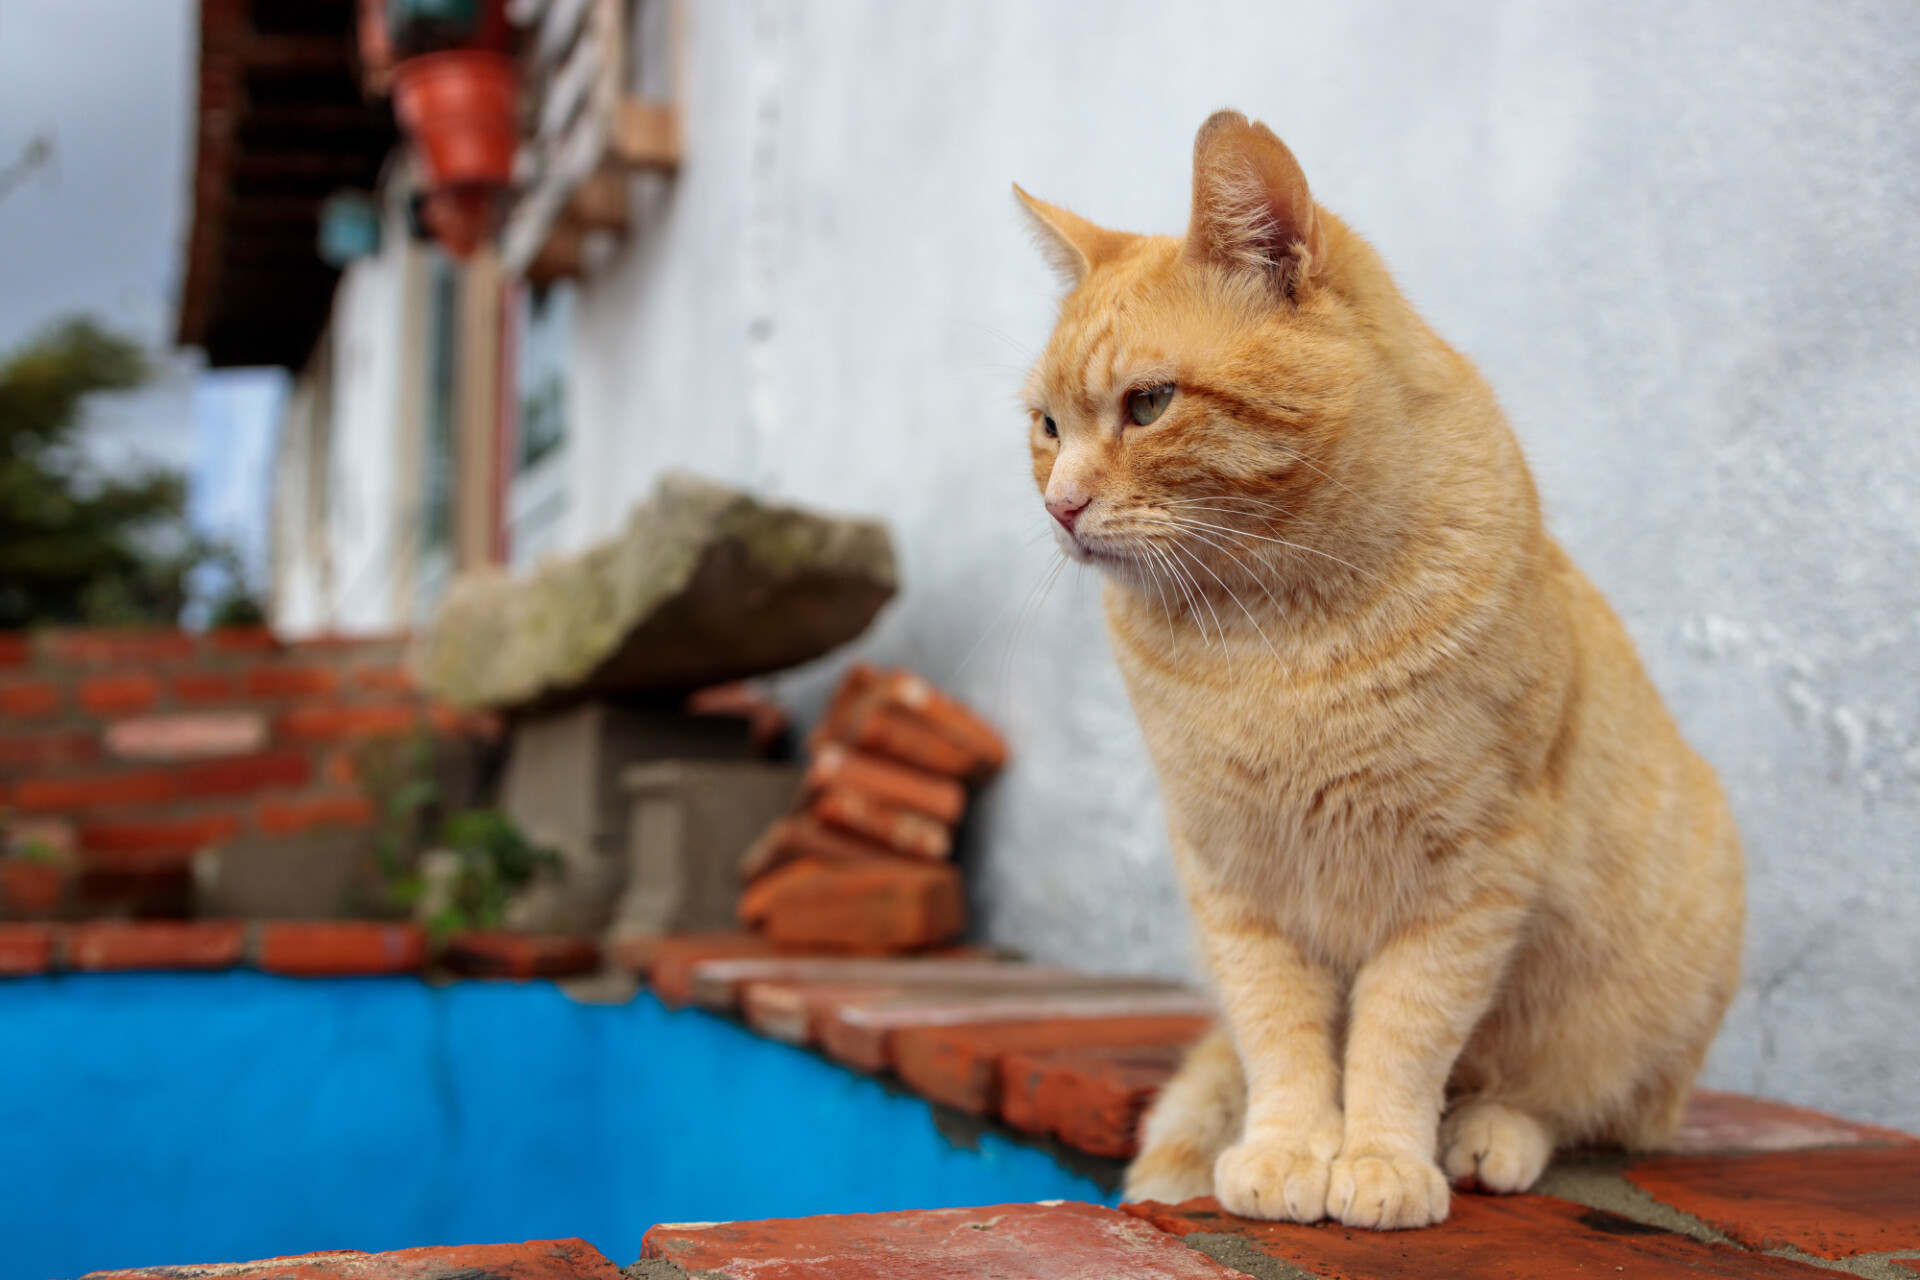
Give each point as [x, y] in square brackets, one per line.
[282, 123]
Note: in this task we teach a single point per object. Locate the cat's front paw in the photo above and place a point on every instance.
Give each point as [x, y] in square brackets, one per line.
[1386, 1191]
[1494, 1148]
[1278, 1181]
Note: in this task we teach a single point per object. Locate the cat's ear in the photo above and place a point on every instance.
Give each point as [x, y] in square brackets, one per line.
[1251, 208]
[1072, 245]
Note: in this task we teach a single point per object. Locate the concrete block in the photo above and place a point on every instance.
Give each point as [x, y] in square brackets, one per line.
[561, 786]
[689, 823]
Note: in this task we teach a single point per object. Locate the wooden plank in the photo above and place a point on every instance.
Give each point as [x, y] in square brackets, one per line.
[646, 135]
[600, 203]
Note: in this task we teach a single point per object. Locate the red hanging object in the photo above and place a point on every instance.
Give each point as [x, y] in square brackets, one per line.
[460, 108]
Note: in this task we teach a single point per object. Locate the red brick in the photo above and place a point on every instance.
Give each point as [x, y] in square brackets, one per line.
[900, 830]
[1090, 1099]
[242, 640]
[204, 686]
[885, 904]
[947, 714]
[26, 949]
[1533, 1236]
[240, 775]
[860, 1032]
[1739, 1122]
[292, 682]
[452, 722]
[766, 719]
[865, 689]
[960, 1066]
[797, 1012]
[898, 734]
[118, 694]
[385, 680]
[534, 1260]
[113, 645]
[191, 735]
[937, 797]
[340, 768]
[327, 722]
[718, 982]
[1057, 1241]
[32, 890]
[103, 945]
[323, 948]
[29, 700]
[857, 689]
[287, 817]
[1911, 1264]
[667, 962]
[801, 835]
[801, 1012]
[1832, 1203]
[66, 795]
[16, 649]
[48, 750]
[158, 836]
[495, 954]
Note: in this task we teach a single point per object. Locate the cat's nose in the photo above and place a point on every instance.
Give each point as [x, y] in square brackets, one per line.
[1067, 510]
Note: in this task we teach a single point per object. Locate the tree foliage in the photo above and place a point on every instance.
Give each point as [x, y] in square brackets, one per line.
[76, 546]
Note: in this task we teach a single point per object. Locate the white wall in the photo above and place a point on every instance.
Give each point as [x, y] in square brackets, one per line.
[350, 566]
[1682, 239]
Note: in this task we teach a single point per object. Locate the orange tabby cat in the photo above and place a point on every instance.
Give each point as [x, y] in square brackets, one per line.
[1465, 892]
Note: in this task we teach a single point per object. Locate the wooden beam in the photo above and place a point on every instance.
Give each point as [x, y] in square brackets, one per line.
[560, 257]
[600, 203]
[476, 402]
[646, 135]
[297, 53]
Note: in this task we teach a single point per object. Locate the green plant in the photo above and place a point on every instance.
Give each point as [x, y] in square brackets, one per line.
[485, 860]
[34, 849]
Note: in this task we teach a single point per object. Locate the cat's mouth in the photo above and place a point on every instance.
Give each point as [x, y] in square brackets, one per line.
[1102, 551]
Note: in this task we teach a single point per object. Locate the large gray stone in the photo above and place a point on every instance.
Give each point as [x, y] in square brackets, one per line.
[706, 584]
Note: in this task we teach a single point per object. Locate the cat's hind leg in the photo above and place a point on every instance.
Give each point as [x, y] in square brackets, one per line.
[1197, 1116]
[1494, 1147]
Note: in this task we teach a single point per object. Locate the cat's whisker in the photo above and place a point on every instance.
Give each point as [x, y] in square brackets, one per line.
[1165, 608]
[998, 618]
[1180, 580]
[1235, 597]
[1297, 546]
[1279, 512]
[1020, 349]
[1225, 648]
[1036, 596]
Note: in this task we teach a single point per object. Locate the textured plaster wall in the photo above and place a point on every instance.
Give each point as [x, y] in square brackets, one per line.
[1682, 239]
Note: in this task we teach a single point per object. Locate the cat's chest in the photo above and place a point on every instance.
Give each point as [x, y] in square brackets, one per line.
[1314, 798]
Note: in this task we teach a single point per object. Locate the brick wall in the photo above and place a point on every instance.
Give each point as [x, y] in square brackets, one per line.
[148, 745]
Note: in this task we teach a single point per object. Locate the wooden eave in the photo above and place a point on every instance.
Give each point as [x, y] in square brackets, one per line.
[281, 123]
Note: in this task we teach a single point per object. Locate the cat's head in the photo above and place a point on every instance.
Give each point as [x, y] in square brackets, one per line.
[1191, 414]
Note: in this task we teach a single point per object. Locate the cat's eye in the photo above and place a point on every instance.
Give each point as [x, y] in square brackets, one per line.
[1148, 403]
[1053, 432]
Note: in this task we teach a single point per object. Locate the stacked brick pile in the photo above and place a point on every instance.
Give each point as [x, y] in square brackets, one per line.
[131, 750]
[864, 862]
[1048, 1050]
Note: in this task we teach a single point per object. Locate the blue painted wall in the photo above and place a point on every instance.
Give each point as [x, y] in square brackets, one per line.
[171, 1118]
